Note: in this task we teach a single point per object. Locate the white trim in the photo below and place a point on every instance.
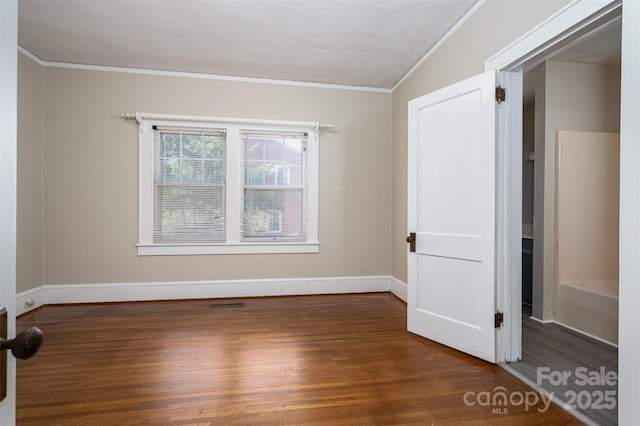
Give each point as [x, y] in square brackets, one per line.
[52, 294]
[312, 179]
[573, 329]
[509, 219]
[8, 188]
[398, 288]
[565, 25]
[203, 76]
[584, 333]
[30, 55]
[29, 300]
[629, 294]
[234, 248]
[233, 199]
[439, 43]
[540, 320]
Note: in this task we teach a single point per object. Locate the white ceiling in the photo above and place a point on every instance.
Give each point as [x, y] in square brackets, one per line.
[601, 46]
[369, 43]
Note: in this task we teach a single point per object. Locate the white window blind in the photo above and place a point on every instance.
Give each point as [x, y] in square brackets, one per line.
[273, 185]
[189, 185]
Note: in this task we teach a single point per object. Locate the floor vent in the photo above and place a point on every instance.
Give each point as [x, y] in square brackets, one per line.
[227, 305]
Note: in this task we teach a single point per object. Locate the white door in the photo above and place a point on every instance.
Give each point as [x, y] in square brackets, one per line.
[8, 87]
[451, 210]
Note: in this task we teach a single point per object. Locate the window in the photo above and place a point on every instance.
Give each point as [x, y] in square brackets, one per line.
[226, 186]
[273, 185]
[188, 185]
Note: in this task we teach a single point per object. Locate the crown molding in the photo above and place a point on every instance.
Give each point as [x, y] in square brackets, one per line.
[203, 76]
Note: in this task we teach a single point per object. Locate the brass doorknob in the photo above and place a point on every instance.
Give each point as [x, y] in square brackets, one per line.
[25, 344]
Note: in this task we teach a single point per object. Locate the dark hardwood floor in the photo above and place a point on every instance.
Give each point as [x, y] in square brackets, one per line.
[324, 360]
[590, 369]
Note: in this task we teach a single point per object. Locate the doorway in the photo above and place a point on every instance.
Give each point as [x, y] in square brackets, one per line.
[569, 299]
[576, 89]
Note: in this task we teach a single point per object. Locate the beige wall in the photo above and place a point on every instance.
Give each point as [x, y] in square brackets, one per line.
[491, 28]
[90, 166]
[29, 253]
[90, 176]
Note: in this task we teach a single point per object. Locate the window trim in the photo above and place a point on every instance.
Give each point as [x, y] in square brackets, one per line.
[233, 244]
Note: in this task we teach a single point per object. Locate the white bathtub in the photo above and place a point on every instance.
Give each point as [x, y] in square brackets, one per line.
[590, 307]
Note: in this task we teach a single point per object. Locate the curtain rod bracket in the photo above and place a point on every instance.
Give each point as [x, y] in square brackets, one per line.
[136, 116]
[130, 116]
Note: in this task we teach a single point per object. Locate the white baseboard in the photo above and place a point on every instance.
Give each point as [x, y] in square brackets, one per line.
[584, 333]
[541, 321]
[398, 288]
[51, 294]
[29, 300]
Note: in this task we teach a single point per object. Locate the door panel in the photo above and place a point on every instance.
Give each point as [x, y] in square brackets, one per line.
[451, 285]
[460, 276]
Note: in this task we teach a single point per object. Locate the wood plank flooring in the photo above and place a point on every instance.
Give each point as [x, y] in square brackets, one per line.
[559, 349]
[323, 360]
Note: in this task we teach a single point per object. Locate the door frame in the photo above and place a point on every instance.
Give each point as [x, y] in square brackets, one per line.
[577, 18]
[568, 24]
[8, 185]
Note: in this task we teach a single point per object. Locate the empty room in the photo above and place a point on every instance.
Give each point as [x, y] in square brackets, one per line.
[288, 212]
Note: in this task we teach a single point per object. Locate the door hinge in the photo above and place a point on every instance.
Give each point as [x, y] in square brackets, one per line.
[498, 319]
[501, 94]
[411, 239]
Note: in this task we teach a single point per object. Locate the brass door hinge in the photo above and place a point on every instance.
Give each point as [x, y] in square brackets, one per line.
[501, 94]
[498, 319]
[411, 239]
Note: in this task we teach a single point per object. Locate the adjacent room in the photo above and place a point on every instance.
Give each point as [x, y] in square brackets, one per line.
[213, 215]
[571, 176]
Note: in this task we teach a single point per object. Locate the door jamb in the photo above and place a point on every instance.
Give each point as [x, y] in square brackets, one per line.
[8, 179]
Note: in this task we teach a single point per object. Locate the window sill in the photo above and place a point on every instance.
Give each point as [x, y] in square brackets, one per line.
[237, 248]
